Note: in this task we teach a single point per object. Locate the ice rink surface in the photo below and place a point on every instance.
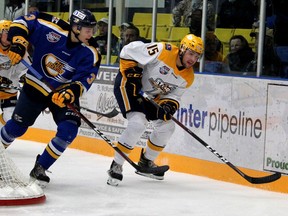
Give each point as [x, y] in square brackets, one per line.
[78, 187]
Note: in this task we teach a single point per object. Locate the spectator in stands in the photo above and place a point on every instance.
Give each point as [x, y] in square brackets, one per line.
[213, 55]
[281, 34]
[121, 40]
[276, 19]
[241, 57]
[65, 5]
[196, 22]
[102, 38]
[191, 10]
[271, 63]
[123, 28]
[213, 47]
[237, 14]
[33, 8]
[280, 10]
[14, 9]
[214, 59]
[131, 34]
[268, 4]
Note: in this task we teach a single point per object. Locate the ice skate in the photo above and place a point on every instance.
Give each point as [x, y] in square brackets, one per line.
[5, 145]
[144, 162]
[115, 174]
[38, 174]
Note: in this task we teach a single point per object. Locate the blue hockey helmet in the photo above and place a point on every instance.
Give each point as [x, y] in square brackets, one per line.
[83, 18]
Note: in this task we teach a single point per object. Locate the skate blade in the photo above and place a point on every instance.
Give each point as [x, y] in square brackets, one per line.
[149, 175]
[113, 182]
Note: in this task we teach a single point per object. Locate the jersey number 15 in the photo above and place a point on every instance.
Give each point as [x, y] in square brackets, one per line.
[152, 49]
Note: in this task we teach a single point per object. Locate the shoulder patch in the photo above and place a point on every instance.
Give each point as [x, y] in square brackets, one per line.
[168, 46]
[53, 37]
[164, 70]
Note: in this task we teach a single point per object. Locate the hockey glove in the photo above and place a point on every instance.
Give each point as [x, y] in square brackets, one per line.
[4, 80]
[134, 76]
[67, 95]
[134, 73]
[17, 49]
[63, 97]
[167, 110]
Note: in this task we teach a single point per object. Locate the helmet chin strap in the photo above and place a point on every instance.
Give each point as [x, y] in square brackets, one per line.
[181, 54]
[4, 47]
[77, 33]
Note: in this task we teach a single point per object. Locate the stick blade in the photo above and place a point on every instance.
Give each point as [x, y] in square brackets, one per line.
[263, 180]
[112, 114]
[153, 170]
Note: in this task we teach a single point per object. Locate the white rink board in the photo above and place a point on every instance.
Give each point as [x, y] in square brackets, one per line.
[276, 148]
[224, 104]
[228, 113]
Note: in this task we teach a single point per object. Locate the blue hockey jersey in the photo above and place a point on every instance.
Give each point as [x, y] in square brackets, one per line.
[55, 57]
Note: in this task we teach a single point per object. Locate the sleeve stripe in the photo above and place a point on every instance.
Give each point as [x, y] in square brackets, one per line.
[53, 26]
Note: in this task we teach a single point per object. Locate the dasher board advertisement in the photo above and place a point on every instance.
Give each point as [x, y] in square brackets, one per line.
[276, 141]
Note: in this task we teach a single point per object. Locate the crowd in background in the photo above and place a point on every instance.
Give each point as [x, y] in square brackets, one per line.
[229, 14]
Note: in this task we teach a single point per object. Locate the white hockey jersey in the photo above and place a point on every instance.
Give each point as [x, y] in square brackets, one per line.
[13, 73]
[159, 64]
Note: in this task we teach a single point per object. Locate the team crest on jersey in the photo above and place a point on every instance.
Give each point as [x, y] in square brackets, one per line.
[55, 68]
[53, 37]
[168, 46]
[161, 87]
[164, 70]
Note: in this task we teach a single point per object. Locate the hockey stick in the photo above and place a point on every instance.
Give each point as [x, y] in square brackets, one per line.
[110, 114]
[253, 180]
[152, 170]
[159, 169]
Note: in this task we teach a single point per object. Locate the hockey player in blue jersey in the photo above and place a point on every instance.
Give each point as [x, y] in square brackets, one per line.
[66, 56]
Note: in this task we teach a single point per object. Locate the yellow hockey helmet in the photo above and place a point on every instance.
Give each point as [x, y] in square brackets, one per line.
[5, 25]
[193, 43]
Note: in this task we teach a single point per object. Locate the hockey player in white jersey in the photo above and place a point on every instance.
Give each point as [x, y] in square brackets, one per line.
[9, 75]
[141, 65]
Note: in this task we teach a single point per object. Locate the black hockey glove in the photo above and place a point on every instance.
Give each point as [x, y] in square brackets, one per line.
[134, 73]
[17, 49]
[134, 76]
[167, 110]
[67, 95]
[5, 80]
